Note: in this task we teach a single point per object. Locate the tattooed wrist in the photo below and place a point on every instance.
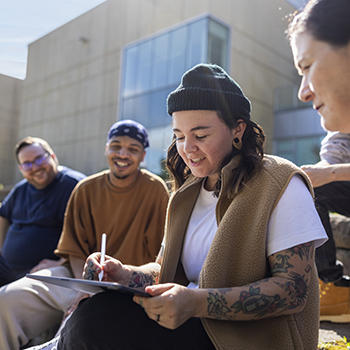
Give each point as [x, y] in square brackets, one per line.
[141, 280]
[217, 306]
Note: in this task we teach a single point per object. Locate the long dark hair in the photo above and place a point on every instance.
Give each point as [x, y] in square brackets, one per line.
[253, 143]
[325, 20]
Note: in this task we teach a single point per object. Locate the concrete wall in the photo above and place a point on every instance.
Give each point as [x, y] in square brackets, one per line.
[70, 95]
[10, 90]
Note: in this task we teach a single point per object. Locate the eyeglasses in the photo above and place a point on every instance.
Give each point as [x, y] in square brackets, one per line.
[38, 161]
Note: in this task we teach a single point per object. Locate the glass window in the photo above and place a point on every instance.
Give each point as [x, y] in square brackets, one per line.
[144, 69]
[217, 43]
[130, 62]
[301, 151]
[159, 115]
[128, 109]
[307, 150]
[142, 109]
[160, 60]
[177, 54]
[197, 43]
[285, 149]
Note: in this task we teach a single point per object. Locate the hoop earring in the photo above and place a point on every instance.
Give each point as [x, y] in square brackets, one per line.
[237, 143]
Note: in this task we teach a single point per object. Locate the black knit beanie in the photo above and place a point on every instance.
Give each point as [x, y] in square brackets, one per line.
[208, 87]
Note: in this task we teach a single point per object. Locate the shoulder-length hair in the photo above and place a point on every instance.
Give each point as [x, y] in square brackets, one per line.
[252, 152]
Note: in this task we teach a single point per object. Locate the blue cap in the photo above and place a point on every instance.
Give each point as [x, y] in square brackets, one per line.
[128, 127]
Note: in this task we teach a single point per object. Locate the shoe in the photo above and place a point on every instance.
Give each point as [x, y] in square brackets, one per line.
[334, 302]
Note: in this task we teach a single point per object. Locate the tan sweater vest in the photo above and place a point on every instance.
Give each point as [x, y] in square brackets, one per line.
[237, 257]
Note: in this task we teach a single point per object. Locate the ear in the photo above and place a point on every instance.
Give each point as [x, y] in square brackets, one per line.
[53, 155]
[143, 156]
[106, 150]
[239, 130]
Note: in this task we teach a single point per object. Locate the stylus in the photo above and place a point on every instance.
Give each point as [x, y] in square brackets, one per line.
[103, 253]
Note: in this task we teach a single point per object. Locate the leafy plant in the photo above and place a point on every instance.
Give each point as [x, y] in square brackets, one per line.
[334, 345]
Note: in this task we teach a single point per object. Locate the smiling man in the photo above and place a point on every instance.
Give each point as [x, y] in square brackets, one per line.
[31, 216]
[125, 202]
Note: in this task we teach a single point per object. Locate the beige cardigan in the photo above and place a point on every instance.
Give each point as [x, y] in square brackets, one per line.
[237, 257]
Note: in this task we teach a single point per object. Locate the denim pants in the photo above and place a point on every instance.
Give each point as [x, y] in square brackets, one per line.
[332, 197]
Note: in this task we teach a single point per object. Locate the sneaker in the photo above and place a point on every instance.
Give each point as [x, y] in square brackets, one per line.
[334, 302]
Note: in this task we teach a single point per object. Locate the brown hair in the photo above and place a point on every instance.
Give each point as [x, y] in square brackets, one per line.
[252, 152]
[29, 140]
[325, 20]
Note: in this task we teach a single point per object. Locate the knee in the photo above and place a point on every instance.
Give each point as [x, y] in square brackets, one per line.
[9, 296]
[8, 301]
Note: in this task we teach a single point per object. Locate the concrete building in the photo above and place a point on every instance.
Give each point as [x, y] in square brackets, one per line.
[120, 59]
[10, 96]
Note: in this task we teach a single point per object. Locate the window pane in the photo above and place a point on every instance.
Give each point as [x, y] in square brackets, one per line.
[160, 139]
[159, 115]
[128, 109]
[143, 79]
[130, 71]
[177, 54]
[161, 45]
[197, 43]
[217, 44]
[307, 151]
[142, 109]
[285, 146]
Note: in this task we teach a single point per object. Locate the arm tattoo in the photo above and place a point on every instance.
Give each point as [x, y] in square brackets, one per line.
[297, 289]
[217, 307]
[253, 302]
[301, 250]
[282, 266]
[140, 279]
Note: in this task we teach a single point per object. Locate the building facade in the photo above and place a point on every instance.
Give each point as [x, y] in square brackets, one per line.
[121, 59]
[10, 96]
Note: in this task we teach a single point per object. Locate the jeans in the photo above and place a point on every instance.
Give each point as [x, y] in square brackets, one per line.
[332, 197]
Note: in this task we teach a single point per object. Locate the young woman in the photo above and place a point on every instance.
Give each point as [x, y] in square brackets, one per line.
[320, 41]
[236, 269]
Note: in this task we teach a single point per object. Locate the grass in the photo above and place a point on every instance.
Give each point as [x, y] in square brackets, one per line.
[334, 345]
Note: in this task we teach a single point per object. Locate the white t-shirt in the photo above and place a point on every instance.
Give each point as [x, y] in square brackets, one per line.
[294, 221]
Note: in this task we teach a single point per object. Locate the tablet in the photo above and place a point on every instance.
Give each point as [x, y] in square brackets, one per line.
[88, 286]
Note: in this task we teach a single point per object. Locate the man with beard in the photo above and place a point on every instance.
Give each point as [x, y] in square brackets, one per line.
[125, 202]
[31, 216]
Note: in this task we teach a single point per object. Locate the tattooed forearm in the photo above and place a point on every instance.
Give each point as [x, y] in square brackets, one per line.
[217, 306]
[255, 303]
[284, 292]
[140, 279]
[297, 289]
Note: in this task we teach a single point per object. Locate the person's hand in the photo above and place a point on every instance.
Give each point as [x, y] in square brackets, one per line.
[46, 264]
[114, 270]
[318, 174]
[171, 304]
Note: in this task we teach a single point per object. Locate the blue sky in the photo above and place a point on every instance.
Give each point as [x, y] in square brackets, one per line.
[24, 21]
